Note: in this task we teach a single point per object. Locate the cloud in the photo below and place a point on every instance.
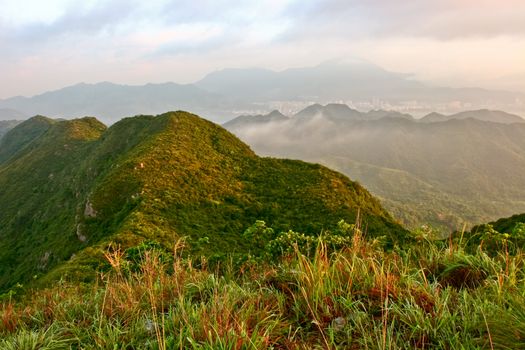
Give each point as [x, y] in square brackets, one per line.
[78, 20]
[204, 43]
[66, 41]
[224, 11]
[194, 27]
[86, 27]
[442, 20]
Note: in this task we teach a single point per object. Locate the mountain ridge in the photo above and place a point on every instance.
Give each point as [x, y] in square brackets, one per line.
[79, 187]
[222, 95]
[6, 125]
[342, 112]
[482, 114]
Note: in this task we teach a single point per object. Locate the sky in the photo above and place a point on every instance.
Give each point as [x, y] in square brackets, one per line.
[46, 45]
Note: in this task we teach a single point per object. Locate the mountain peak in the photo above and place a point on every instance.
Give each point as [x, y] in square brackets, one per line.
[309, 111]
[86, 129]
[276, 114]
[338, 107]
[23, 134]
[244, 120]
[332, 111]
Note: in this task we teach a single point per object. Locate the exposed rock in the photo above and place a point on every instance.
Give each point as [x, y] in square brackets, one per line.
[149, 325]
[89, 211]
[338, 324]
[80, 235]
[44, 260]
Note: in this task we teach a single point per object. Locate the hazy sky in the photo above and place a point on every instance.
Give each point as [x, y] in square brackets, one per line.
[53, 43]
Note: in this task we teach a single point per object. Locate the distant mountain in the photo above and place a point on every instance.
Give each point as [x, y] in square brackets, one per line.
[334, 112]
[441, 173]
[222, 95]
[330, 81]
[337, 112]
[435, 117]
[274, 116]
[112, 102]
[6, 125]
[379, 114]
[69, 189]
[484, 114]
[11, 114]
[365, 85]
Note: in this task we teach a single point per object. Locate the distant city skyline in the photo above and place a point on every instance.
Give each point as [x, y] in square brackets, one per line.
[56, 43]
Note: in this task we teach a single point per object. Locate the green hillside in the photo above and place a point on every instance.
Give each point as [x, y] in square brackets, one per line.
[23, 135]
[508, 224]
[6, 125]
[407, 197]
[425, 294]
[68, 189]
[505, 234]
[40, 190]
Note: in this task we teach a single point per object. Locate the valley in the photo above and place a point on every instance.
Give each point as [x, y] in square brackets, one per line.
[447, 173]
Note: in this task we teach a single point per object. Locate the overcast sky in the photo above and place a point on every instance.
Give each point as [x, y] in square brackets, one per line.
[53, 43]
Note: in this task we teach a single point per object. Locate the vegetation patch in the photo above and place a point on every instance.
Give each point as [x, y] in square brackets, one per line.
[353, 295]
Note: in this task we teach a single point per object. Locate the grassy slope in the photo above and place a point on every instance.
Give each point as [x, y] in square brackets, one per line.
[507, 224]
[22, 135]
[503, 225]
[40, 189]
[78, 187]
[424, 296]
[6, 125]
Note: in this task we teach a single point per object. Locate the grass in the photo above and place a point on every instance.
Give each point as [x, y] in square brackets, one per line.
[359, 297]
